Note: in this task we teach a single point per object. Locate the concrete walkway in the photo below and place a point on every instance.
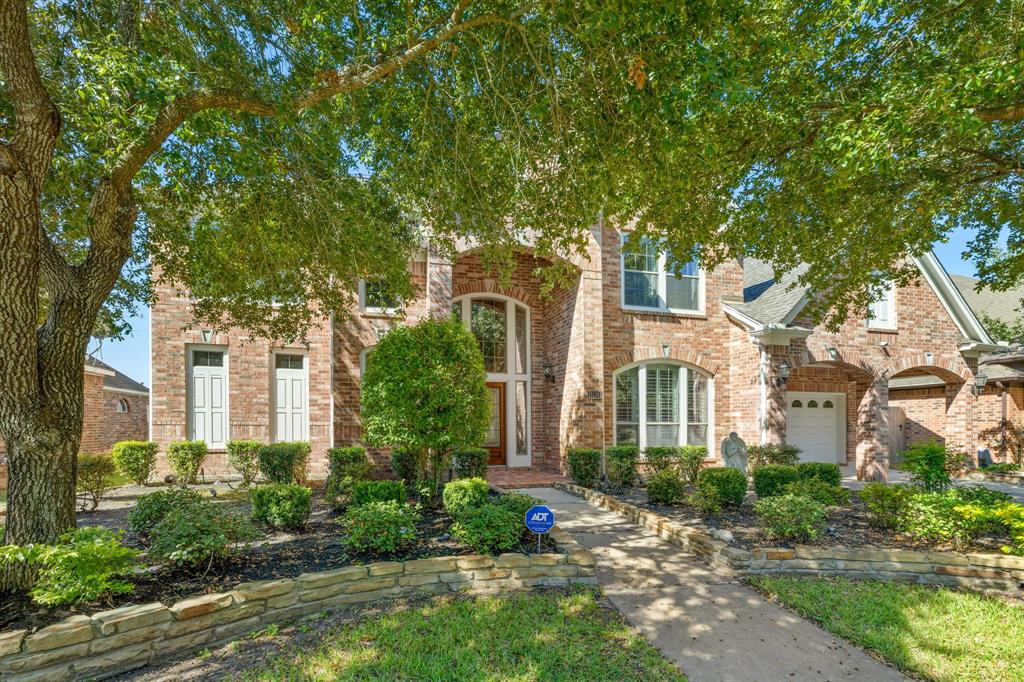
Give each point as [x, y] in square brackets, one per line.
[713, 627]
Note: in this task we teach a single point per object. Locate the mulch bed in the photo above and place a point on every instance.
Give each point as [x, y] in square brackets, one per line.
[278, 555]
[847, 526]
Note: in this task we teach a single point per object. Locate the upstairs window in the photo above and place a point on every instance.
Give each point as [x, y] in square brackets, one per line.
[652, 282]
[375, 298]
[122, 405]
[882, 312]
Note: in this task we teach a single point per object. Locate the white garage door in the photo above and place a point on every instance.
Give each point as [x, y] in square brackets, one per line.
[816, 423]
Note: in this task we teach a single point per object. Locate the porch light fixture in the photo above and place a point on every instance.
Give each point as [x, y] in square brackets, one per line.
[979, 383]
[784, 371]
[207, 335]
[833, 352]
[664, 350]
[548, 371]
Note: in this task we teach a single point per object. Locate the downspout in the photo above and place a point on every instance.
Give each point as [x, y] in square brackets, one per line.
[762, 408]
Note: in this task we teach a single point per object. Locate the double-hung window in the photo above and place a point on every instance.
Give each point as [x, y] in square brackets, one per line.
[882, 311]
[375, 298]
[650, 281]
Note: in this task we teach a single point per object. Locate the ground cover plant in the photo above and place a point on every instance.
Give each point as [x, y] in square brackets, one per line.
[548, 635]
[939, 634]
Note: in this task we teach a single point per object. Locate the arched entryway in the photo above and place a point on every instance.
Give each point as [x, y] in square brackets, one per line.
[501, 325]
[923, 403]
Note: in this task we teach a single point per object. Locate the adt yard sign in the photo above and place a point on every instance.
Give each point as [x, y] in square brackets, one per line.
[540, 519]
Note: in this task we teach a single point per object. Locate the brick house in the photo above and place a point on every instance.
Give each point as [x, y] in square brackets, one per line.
[115, 408]
[629, 353]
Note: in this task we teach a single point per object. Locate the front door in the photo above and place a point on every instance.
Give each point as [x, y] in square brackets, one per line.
[495, 441]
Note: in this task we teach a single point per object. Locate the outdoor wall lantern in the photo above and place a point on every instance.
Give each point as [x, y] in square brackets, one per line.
[783, 372]
[549, 371]
[979, 383]
[664, 350]
[833, 352]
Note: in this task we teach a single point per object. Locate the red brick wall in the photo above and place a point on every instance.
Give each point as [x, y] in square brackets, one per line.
[94, 426]
[249, 382]
[130, 425]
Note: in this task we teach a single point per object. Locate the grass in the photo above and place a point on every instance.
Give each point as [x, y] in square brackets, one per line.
[564, 635]
[937, 633]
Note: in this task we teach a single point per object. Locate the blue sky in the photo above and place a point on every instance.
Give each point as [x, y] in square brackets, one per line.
[131, 356]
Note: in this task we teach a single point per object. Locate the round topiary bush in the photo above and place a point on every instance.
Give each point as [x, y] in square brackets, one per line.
[771, 479]
[380, 527]
[665, 487]
[135, 459]
[724, 484]
[186, 457]
[281, 505]
[463, 495]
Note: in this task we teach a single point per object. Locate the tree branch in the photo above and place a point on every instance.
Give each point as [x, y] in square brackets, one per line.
[1003, 113]
[37, 120]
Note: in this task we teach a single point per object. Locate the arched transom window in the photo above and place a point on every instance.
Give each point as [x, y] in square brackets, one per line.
[659, 403]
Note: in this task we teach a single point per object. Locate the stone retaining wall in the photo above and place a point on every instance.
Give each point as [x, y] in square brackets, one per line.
[996, 477]
[111, 642]
[980, 572]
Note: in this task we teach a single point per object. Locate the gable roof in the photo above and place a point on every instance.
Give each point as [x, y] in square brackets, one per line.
[115, 380]
[776, 302]
[1001, 305]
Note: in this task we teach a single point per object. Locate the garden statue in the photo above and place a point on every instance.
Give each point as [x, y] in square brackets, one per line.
[734, 452]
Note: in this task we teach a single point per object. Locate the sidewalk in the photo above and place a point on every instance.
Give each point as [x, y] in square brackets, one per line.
[713, 627]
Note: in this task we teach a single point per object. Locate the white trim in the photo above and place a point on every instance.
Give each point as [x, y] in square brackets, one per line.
[369, 310]
[189, 388]
[641, 385]
[956, 305]
[124, 390]
[890, 324]
[273, 391]
[742, 318]
[762, 381]
[509, 377]
[92, 369]
[662, 287]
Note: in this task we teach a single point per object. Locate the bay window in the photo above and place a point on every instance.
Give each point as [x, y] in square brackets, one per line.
[659, 403]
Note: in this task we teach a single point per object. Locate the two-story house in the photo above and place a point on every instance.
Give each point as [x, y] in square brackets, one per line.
[633, 352]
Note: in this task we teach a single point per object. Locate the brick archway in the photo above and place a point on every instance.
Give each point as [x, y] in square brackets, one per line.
[945, 369]
[486, 286]
[675, 353]
[843, 359]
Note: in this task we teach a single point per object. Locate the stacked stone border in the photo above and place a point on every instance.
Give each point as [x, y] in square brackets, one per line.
[999, 573]
[130, 637]
[1014, 478]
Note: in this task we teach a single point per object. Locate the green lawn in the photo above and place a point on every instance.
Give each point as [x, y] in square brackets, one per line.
[938, 633]
[518, 636]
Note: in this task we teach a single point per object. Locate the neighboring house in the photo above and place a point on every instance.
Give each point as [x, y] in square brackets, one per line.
[630, 353]
[115, 408]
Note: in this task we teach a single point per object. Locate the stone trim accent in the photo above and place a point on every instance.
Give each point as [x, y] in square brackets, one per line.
[111, 642]
[997, 573]
[1014, 479]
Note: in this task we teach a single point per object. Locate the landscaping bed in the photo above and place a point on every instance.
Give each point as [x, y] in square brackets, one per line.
[848, 525]
[276, 554]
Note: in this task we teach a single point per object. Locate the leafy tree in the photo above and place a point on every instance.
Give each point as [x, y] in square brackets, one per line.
[1011, 332]
[425, 390]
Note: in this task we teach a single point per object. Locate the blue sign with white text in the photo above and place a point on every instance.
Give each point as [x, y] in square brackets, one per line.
[540, 519]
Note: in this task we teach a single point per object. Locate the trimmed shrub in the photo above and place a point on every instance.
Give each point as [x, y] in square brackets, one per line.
[518, 503]
[818, 490]
[135, 459]
[243, 456]
[661, 457]
[404, 464]
[380, 527]
[151, 509]
[1002, 468]
[86, 564]
[425, 389]
[584, 466]
[365, 492]
[770, 479]
[724, 484]
[932, 465]
[186, 458]
[284, 462]
[199, 534]
[347, 466]
[281, 505]
[471, 462]
[665, 487]
[885, 503]
[92, 478]
[691, 461]
[491, 528]
[463, 495]
[620, 465]
[823, 471]
[791, 517]
[772, 453]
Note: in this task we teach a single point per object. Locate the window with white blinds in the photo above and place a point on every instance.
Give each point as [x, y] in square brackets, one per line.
[659, 403]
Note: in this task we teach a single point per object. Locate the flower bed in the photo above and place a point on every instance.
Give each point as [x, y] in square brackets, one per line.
[129, 637]
[976, 571]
